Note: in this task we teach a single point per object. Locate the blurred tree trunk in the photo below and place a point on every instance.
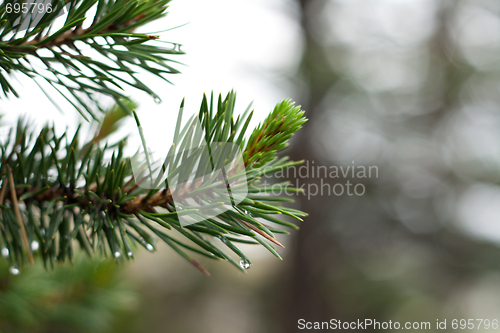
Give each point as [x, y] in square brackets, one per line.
[306, 277]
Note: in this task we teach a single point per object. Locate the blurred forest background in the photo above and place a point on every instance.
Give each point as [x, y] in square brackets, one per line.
[409, 86]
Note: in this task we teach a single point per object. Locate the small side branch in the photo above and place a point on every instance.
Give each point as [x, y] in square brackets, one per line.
[15, 204]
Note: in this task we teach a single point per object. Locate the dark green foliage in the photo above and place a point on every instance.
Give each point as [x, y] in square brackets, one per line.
[84, 298]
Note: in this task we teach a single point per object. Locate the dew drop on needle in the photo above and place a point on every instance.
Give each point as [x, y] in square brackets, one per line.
[244, 264]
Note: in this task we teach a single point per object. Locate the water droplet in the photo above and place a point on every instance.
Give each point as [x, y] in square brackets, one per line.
[117, 254]
[34, 246]
[130, 254]
[42, 231]
[66, 237]
[246, 212]
[157, 99]
[5, 252]
[14, 271]
[244, 264]
[150, 247]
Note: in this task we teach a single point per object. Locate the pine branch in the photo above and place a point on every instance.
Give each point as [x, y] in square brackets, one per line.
[56, 192]
[68, 68]
[69, 192]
